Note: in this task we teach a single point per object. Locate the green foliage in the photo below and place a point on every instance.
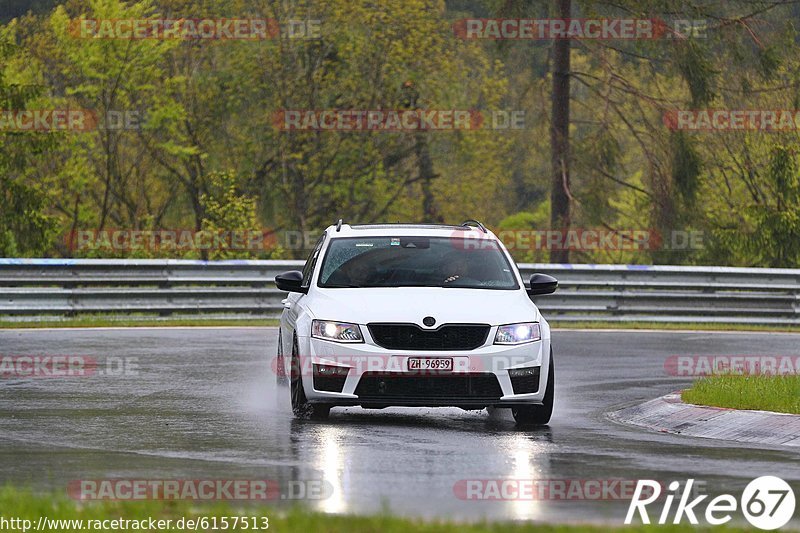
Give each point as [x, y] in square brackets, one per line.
[206, 153]
[769, 61]
[686, 166]
[228, 212]
[776, 239]
[695, 65]
[26, 229]
[538, 219]
[513, 226]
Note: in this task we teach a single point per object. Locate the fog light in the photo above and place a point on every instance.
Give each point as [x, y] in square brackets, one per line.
[519, 372]
[330, 378]
[330, 370]
[525, 380]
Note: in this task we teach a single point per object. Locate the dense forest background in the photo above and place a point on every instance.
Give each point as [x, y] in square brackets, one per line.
[205, 152]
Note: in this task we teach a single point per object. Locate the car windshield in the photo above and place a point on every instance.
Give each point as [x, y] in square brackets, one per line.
[415, 262]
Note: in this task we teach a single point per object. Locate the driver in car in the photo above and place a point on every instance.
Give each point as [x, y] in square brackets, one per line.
[359, 273]
[455, 268]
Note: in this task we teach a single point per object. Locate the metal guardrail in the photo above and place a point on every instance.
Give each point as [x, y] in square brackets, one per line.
[65, 287]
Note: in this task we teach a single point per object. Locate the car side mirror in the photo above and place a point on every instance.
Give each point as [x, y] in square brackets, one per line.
[291, 281]
[542, 284]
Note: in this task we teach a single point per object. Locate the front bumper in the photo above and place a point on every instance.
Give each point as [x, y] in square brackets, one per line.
[378, 377]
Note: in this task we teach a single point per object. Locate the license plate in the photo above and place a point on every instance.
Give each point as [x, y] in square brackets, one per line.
[431, 363]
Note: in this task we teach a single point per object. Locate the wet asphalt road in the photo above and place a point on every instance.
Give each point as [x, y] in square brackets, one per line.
[203, 404]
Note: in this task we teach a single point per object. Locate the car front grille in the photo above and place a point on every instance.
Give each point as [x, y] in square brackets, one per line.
[400, 387]
[412, 337]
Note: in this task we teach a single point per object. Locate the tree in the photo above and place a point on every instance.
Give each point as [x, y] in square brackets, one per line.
[26, 228]
[559, 134]
[776, 239]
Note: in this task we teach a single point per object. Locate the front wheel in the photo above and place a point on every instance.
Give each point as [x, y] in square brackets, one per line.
[301, 407]
[538, 415]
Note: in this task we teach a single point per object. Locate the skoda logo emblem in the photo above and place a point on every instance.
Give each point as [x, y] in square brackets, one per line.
[429, 321]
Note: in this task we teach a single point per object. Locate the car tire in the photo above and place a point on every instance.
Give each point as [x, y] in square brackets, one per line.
[280, 364]
[538, 415]
[301, 407]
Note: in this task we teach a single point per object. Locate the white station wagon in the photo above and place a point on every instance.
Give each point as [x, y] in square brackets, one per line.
[414, 315]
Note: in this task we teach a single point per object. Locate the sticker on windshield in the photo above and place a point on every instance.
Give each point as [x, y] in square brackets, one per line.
[395, 241]
[367, 244]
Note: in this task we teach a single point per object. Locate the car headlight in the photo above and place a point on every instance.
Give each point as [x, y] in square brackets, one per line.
[336, 331]
[518, 333]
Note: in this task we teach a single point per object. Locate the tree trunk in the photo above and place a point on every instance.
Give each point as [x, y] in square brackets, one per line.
[559, 136]
[426, 175]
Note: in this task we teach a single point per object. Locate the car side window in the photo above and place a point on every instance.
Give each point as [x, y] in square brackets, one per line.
[311, 262]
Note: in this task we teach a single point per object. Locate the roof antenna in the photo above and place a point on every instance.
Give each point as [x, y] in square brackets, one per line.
[339, 225]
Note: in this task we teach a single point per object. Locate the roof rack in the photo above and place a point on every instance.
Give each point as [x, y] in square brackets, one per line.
[407, 225]
[470, 222]
[339, 225]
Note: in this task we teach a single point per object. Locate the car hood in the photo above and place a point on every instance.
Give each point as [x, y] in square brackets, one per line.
[412, 304]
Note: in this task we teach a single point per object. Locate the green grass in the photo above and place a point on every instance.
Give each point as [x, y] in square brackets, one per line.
[670, 326]
[765, 393]
[26, 505]
[128, 322]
